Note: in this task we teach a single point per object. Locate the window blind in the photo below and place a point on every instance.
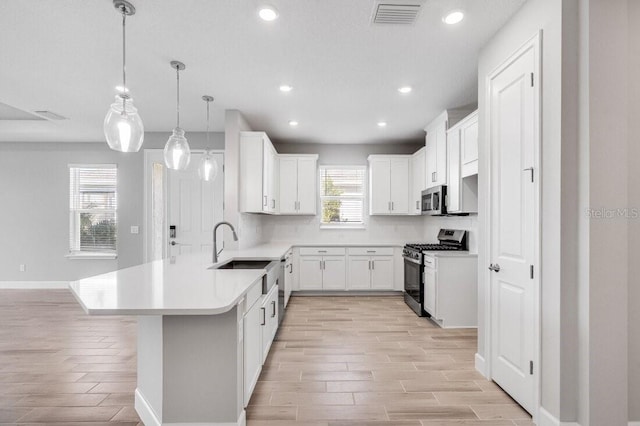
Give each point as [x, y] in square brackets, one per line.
[342, 190]
[93, 208]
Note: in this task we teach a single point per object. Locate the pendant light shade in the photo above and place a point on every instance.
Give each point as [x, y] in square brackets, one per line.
[208, 167]
[123, 128]
[177, 153]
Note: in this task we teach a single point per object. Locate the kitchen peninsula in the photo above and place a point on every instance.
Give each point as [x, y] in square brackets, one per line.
[190, 332]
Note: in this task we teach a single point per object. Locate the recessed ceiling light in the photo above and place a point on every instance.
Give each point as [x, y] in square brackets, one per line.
[268, 13]
[286, 88]
[405, 89]
[382, 124]
[453, 17]
[293, 123]
[122, 89]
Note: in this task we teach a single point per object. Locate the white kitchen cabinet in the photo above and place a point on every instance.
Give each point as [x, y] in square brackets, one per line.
[462, 191]
[389, 184]
[418, 181]
[436, 145]
[269, 321]
[451, 288]
[469, 145]
[310, 272]
[297, 188]
[322, 268]
[252, 348]
[258, 174]
[371, 268]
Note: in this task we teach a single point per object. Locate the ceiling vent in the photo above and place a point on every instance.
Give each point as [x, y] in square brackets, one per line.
[50, 115]
[388, 13]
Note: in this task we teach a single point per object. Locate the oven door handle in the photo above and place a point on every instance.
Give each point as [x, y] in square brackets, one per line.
[408, 259]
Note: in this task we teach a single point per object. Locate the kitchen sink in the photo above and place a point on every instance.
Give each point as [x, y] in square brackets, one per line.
[244, 264]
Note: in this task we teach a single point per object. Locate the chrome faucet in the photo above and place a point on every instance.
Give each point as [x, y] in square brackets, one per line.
[215, 244]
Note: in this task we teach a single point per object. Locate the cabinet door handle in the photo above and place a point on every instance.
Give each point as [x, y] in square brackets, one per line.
[417, 205]
[436, 176]
[265, 201]
[369, 265]
[371, 251]
[273, 312]
[392, 205]
[373, 265]
[322, 251]
[264, 316]
[273, 203]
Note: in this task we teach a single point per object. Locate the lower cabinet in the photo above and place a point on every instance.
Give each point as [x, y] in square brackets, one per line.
[332, 268]
[252, 348]
[371, 271]
[269, 321]
[322, 268]
[260, 324]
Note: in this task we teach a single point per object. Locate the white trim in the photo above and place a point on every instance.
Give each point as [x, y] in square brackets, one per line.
[634, 423]
[87, 255]
[33, 285]
[534, 43]
[547, 419]
[149, 418]
[481, 365]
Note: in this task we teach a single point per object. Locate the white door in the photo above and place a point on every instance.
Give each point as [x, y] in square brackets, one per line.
[382, 272]
[194, 207]
[310, 275]
[399, 194]
[514, 118]
[380, 172]
[334, 273]
[307, 185]
[288, 185]
[359, 272]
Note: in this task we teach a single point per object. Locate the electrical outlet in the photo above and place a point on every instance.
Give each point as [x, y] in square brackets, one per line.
[23, 267]
[135, 229]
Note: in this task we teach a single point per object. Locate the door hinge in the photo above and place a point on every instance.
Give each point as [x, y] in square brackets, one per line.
[531, 79]
[531, 271]
[531, 367]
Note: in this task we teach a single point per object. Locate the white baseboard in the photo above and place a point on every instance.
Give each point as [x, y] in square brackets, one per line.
[33, 285]
[547, 419]
[149, 417]
[634, 423]
[481, 365]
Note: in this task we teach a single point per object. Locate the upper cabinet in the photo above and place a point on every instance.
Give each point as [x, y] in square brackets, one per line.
[462, 161]
[436, 145]
[418, 181]
[298, 184]
[258, 174]
[389, 187]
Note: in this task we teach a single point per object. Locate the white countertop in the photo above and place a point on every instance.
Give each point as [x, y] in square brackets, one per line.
[445, 253]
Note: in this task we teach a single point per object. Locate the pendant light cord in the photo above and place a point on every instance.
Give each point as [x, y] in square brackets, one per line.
[124, 60]
[178, 95]
[208, 102]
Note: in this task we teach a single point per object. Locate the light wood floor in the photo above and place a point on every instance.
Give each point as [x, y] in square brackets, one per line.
[336, 361]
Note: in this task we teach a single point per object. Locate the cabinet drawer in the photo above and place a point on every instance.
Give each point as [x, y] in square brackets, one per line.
[371, 251]
[321, 251]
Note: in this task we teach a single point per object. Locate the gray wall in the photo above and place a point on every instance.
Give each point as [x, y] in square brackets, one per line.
[634, 202]
[34, 186]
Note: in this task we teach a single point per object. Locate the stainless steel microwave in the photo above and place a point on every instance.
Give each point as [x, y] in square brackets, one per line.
[433, 201]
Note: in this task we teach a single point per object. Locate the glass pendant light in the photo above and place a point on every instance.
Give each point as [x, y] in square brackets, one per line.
[123, 127]
[208, 167]
[177, 153]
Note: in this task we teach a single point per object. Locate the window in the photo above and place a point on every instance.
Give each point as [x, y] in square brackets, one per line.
[342, 190]
[92, 210]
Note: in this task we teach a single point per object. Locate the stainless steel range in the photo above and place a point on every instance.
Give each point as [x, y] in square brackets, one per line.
[448, 239]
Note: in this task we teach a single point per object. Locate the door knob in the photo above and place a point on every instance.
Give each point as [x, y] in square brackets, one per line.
[495, 268]
[173, 243]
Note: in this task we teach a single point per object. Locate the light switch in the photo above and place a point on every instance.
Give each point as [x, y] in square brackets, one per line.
[23, 267]
[135, 229]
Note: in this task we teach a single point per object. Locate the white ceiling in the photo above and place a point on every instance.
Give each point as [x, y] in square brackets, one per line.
[65, 56]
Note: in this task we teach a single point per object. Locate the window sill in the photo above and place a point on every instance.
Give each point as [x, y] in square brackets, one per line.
[361, 226]
[91, 256]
